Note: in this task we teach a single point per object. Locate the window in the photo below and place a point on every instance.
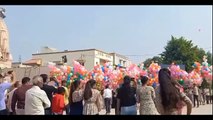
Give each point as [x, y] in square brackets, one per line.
[120, 62]
[124, 63]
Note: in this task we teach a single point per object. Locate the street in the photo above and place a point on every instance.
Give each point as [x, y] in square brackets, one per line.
[202, 110]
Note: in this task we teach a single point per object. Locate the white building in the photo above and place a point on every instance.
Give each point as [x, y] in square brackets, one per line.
[88, 57]
[120, 59]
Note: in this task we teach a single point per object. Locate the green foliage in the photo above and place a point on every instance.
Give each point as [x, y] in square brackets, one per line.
[182, 51]
[156, 59]
[209, 57]
[205, 84]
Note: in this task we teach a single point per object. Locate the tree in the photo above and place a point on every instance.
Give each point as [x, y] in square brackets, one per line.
[209, 57]
[156, 59]
[200, 54]
[181, 51]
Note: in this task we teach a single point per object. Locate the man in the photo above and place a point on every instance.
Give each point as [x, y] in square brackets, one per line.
[3, 87]
[49, 90]
[107, 99]
[66, 96]
[19, 97]
[53, 82]
[9, 76]
[36, 100]
[207, 92]
[196, 93]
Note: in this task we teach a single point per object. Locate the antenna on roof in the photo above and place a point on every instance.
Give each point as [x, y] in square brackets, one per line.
[19, 58]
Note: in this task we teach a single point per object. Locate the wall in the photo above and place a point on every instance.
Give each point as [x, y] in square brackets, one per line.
[20, 72]
[87, 55]
[118, 58]
[100, 56]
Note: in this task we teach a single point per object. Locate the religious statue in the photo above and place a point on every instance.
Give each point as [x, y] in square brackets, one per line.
[5, 56]
[2, 11]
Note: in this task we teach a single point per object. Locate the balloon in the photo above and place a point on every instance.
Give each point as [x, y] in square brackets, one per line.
[154, 85]
[181, 82]
[102, 68]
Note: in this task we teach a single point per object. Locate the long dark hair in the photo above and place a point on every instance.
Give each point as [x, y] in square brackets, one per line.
[88, 89]
[74, 86]
[127, 81]
[169, 93]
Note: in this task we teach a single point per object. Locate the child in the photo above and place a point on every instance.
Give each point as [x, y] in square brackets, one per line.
[58, 104]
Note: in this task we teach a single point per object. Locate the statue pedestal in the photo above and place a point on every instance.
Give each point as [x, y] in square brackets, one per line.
[6, 64]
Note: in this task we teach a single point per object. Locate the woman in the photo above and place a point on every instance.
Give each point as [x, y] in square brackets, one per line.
[92, 98]
[145, 97]
[76, 98]
[126, 98]
[169, 99]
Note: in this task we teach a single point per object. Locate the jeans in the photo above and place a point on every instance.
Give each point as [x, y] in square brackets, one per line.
[130, 110]
[107, 104]
[3, 112]
[196, 99]
[67, 108]
[208, 99]
[48, 111]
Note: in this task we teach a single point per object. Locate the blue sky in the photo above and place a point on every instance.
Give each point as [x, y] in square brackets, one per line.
[129, 30]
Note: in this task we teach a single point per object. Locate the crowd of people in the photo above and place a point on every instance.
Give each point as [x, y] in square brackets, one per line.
[42, 95]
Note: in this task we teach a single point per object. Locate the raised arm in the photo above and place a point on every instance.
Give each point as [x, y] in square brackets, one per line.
[188, 103]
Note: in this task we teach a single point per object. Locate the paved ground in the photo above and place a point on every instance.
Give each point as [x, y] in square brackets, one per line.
[202, 110]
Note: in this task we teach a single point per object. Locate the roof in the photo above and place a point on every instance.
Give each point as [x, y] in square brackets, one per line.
[33, 62]
[69, 51]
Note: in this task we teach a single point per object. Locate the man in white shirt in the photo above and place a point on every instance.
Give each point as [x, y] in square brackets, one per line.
[36, 100]
[107, 99]
[196, 93]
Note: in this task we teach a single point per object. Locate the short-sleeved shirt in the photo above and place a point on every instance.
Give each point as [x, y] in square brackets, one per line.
[3, 87]
[195, 91]
[127, 96]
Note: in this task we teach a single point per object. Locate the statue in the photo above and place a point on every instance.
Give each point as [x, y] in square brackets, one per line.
[2, 11]
[5, 56]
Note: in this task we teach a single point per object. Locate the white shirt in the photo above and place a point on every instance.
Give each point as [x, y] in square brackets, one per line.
[207, 91]
[10, 96]
[36, 101]
[195, 91]
[107, 93]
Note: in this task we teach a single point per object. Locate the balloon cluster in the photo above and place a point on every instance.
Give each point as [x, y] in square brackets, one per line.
[135, 71]
[206, 70]
[197, 67]
[153, 70]
[195, 77]
[177, 73]
[113, 75]
[55, 72]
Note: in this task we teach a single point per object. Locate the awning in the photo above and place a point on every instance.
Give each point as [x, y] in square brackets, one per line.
[33, 62]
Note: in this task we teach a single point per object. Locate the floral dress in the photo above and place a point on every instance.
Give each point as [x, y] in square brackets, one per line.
[93, 105]
[145, 97]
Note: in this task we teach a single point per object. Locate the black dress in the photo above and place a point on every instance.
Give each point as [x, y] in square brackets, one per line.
[76, 108]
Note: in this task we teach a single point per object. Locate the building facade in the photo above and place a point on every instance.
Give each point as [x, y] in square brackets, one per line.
[88, 57]
[121, 60]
